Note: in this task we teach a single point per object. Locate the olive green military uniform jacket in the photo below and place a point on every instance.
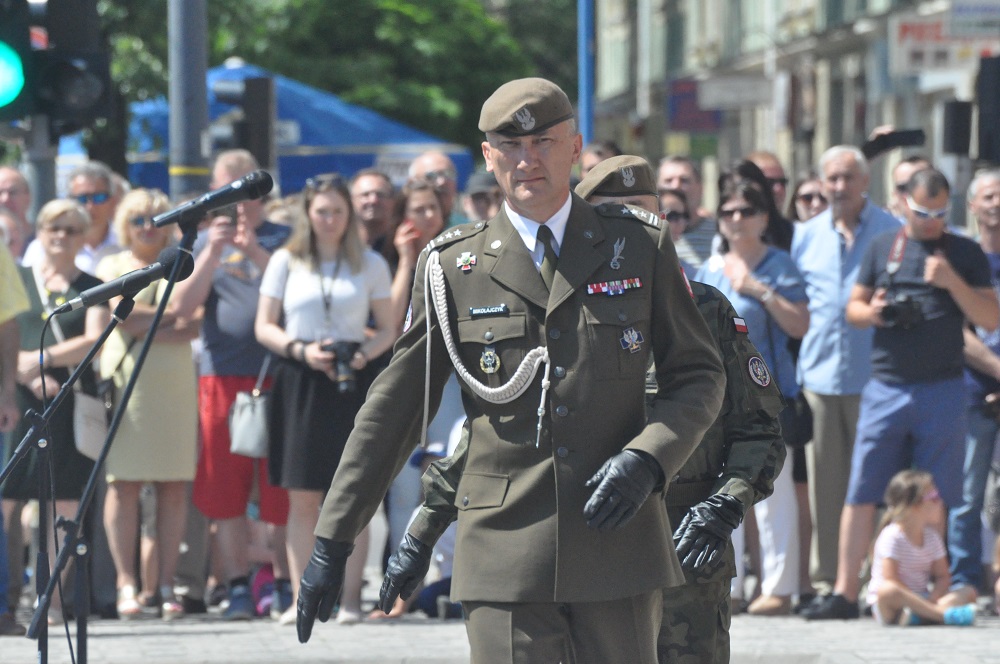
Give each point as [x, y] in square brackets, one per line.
[521, 532]
[740, 455]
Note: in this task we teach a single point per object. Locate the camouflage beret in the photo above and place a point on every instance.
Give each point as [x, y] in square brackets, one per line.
[626, 175]
[524, 107]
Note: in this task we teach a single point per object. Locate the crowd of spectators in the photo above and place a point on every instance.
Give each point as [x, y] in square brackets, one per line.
[320, 281]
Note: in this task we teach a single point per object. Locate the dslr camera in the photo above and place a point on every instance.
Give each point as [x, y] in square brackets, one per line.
[347, 380]
[902, 311]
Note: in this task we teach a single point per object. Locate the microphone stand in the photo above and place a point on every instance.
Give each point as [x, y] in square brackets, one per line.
[33, 438]
[73, 541]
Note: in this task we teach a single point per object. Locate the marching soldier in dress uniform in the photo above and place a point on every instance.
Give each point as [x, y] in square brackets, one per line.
[549, 313]
[733, 467]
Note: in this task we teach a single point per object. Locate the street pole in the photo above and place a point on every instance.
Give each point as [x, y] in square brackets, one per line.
[187, 22]
[585, 67]
[39, 163]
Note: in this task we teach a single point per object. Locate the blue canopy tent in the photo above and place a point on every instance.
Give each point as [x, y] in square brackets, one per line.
[320, 132]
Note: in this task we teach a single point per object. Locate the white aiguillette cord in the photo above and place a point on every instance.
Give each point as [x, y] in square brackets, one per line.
[434, 289]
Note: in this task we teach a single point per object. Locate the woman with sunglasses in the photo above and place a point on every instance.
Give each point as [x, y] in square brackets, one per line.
[808, 199]
[52, 281]
[769, 293]
[315, 299]
[674, 209]
[157, 441]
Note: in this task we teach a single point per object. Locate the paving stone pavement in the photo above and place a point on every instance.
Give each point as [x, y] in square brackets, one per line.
[418, 640]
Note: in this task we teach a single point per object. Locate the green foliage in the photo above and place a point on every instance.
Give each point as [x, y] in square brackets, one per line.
[427, 63]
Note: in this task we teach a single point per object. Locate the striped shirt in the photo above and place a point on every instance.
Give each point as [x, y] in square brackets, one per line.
[913, 562]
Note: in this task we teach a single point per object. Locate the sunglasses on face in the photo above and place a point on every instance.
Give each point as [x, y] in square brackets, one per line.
[926, 213]
[808, 198]
[744, 212]
[97, 198]
[139, 222]
[673, 216]
[324, 182]
[443, 174]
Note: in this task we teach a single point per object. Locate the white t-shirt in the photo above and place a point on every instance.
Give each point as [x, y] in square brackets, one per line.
[913, 562]
[350, 295]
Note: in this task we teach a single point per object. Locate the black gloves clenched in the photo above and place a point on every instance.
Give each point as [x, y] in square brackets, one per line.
[623, 484]
[705, 530]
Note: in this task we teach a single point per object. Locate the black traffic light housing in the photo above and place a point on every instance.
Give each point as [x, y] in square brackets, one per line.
[251, 125]
[73, 77]
[16, 61]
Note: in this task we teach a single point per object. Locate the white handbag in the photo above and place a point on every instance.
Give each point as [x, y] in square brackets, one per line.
[248, 435]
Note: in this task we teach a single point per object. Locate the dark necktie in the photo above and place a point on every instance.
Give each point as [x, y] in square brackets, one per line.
[549, 257]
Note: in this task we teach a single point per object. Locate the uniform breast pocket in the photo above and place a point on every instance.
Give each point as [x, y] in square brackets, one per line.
[481, 490]
[492, 348]
[619, 336]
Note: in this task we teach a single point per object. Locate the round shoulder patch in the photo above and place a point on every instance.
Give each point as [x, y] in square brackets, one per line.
[758, 372]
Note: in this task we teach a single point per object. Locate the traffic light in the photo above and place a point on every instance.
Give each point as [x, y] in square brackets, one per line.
[73, 79]
[16, 66]
[251, 125]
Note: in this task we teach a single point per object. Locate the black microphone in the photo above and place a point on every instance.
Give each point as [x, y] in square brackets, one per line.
[129, 284]
[250, 186]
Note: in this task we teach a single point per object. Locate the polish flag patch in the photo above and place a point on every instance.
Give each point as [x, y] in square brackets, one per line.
[741, 325]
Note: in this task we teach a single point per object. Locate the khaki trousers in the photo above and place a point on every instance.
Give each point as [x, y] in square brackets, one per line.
[828, 461]
[619, 631]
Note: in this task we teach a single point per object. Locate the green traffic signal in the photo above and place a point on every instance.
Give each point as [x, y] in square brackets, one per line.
[11, 74]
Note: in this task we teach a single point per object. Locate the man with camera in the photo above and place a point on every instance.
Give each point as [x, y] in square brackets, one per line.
[917, 287]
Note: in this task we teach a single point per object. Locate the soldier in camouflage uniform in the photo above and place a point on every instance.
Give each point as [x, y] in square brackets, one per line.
[733, 467]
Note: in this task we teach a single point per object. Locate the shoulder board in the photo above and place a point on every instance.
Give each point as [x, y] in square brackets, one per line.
[455, 234]
[629, 212]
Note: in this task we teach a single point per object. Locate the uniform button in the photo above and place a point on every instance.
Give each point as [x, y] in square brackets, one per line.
[562, 411]
[465, 501]
[560, 372]
[562, 452]
[554, 334]
[488, 336]
[621, 316]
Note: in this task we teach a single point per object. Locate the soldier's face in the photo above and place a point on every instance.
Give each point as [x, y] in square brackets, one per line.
[533, 171]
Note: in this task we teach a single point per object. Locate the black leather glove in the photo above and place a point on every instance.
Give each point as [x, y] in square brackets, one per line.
[623, 484]
[406, 568]
[705, 530]
[320, 585]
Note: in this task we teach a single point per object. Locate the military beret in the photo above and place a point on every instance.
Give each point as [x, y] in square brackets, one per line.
[626, 175]
[524, 107]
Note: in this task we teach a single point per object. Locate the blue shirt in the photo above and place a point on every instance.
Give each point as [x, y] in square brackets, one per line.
[835, 357]
[980, 384]
[776, 271]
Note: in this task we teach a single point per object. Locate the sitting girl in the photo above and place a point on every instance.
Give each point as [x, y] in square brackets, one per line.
[909, 556]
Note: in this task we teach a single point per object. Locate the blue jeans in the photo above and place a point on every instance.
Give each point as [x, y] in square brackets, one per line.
[965, 541]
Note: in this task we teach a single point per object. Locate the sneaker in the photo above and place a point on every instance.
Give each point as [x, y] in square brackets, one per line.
[9, 625]
[832, 607]
[804, 601]
[348, 617]
[281, 600]
[960, 616]
[241, 605]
